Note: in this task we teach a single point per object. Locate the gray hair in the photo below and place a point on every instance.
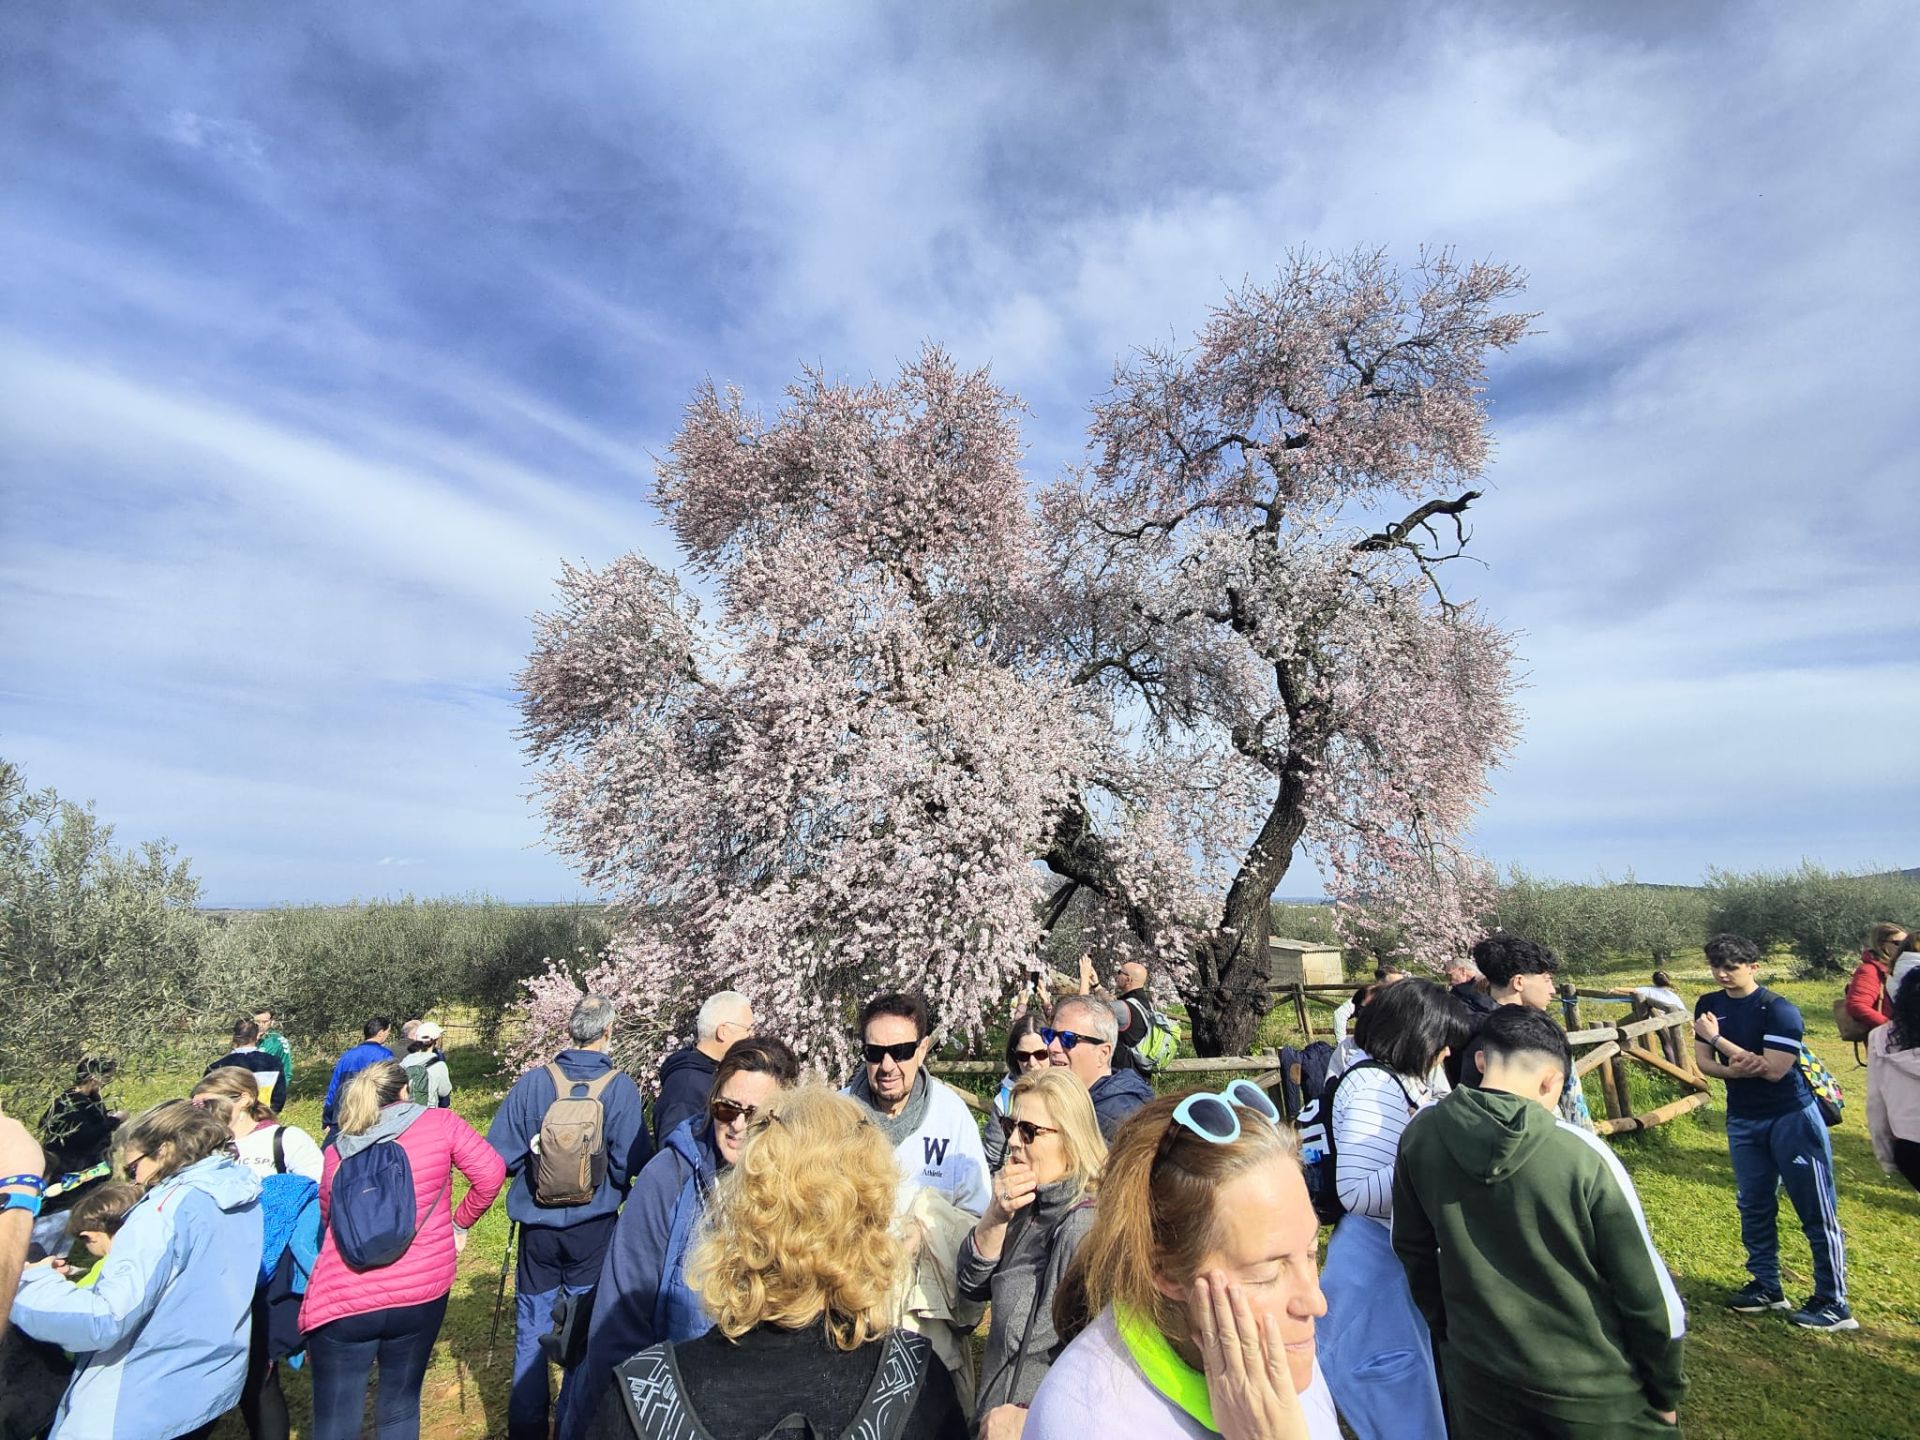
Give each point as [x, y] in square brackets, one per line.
[1103, 1025]
[717, 1011]
[591, 1019]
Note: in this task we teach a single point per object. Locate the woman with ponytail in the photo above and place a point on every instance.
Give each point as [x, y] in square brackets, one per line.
[265, 1145]
[390, 1315]
[1190, 1305]
[161, 1335]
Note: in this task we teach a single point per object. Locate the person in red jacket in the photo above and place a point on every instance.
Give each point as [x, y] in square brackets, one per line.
[1869, 1004]
[391, 1315]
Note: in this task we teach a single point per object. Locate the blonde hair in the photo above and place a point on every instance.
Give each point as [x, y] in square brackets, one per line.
[369, 1092]
[800, 1228]
[1879, 934]
[1071, 1109]
[230, 1089]
[1157, 1214]
[175, 1134]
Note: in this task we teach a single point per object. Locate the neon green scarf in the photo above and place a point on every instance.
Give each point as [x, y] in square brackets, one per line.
[1163, 1367]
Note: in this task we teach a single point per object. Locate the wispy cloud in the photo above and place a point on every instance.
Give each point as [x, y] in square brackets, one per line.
[326, 343]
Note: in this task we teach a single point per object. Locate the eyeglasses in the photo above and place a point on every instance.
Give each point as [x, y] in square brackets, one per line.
[901, 1053]
[1069, 1038]
[1216, 1118]
[1030, 1057]
[1028, 1131]
[131, 1159]
[725, 1112]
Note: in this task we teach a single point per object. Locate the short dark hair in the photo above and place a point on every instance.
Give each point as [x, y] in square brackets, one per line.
[375, 1025]
[1409, 1024]
[1027, 1022]
[1503, 956]
[95, 1067]
[104, 1207]
[245, 1032]
[1905, 1009]
[908, 1005]
[1516, 1030]
[756, 1055]
[1727, 949]
[1663, 980]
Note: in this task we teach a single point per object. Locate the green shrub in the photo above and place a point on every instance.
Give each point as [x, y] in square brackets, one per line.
[1822, 916]
[1592, 925]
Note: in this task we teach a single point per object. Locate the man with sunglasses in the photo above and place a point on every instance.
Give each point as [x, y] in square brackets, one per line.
[933, 1134]
[1082, 1039]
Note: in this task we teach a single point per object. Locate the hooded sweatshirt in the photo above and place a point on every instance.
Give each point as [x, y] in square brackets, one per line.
[935, 1139]
[1893, 1095]
[686, 1077]
[161, 1336]
[642, 1297]
[1117, 1096]
[1523, 1237]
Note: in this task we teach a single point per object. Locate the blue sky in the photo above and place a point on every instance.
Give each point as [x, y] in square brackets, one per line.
[328, 332]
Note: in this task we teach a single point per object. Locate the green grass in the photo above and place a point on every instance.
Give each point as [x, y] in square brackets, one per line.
[1753, 1377]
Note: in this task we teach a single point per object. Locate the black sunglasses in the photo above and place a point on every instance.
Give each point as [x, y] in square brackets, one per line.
[1028, 1130]
[901, 1053]
[1069, 1038]
[1029, 1057]
[725, 1112]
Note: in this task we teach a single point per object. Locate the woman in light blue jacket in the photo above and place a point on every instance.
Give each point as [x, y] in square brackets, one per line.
[160, 1339]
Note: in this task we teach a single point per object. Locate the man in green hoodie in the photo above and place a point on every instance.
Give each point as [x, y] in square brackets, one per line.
[1527, 1251]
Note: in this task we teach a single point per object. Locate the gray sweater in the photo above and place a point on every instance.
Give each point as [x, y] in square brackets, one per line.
[1021, 1285]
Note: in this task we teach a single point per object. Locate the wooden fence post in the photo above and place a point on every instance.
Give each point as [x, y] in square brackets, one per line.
[1570, 1006]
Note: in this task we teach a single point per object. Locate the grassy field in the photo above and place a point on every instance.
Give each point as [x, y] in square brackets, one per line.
[1753, 1378]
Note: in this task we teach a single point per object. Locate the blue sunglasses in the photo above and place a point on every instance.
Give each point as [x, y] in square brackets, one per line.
[1068, 1038]
[1216, 1118]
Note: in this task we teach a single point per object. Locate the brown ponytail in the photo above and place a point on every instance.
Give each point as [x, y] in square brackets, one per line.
[232, 1090]
[1156, 1215]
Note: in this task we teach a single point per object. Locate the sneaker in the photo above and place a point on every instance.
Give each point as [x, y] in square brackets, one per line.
[1818, 1314]
[1757, 1298]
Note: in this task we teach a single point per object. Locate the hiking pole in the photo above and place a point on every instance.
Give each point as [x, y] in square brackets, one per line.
[500, 1299]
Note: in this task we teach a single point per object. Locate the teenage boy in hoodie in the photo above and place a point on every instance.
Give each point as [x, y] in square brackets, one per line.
[686, 1076]
[1527, 1251]
[562, 1246]
[934, 1136]
[1750, 1037]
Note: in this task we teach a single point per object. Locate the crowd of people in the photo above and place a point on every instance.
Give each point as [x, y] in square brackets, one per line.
[771, 1256]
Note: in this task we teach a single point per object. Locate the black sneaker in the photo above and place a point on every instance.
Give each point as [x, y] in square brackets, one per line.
[1818, 1314]
[1756, 1299]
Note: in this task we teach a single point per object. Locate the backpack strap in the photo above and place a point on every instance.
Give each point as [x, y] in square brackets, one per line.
[563, 1083]
[279, 1150]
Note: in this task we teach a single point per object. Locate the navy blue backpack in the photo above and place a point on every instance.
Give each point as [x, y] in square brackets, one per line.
[372, 1212]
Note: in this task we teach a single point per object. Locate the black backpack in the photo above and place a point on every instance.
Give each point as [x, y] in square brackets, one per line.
[1318, 1152]
[656, 1408]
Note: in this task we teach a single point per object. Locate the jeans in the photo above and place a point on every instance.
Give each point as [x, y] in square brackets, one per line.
[1375, 1348]
[1769, 1151]
[342, 1354]
[552, 1260]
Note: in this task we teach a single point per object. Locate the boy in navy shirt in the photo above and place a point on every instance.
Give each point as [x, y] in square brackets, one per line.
[1751, 1038]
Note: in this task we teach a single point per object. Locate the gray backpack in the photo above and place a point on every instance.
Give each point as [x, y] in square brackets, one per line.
[570, 1161]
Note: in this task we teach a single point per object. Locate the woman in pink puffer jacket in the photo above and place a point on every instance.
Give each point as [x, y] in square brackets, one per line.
[353, 1319]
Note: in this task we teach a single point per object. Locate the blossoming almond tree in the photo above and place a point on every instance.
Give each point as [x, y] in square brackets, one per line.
[924, 704]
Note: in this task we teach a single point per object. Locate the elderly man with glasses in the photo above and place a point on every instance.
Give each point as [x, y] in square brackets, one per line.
[1082, 1039]
[934, 1136]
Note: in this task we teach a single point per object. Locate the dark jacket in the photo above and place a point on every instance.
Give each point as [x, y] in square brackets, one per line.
[1524, 1233]
[642, 1297]
[1117, 1096]
[77, 1132]
[262, 1065]
[686, 1076]
[1038, 1247]
[518, 1120]
[1477, 1001]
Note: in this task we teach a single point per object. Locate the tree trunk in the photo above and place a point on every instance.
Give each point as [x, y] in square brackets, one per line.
[1226, 1010]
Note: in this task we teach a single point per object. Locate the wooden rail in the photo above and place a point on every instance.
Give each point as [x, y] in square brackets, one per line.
[1638, 1039]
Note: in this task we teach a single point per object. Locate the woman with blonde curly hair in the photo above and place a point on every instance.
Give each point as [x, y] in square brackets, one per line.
[796, 1263]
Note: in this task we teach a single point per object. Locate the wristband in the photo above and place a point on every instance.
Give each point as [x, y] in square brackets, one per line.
[35, 1183]
[14, 1200]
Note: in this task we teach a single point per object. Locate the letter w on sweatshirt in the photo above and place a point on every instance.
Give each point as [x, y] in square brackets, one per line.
[935, 1149]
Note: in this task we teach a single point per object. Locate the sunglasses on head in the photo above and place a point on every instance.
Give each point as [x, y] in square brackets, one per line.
[1069, 1038]
[1026, 1129]
[1216, 1118]
[725, 1112]
[901, 1053]
[1030, 1057]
